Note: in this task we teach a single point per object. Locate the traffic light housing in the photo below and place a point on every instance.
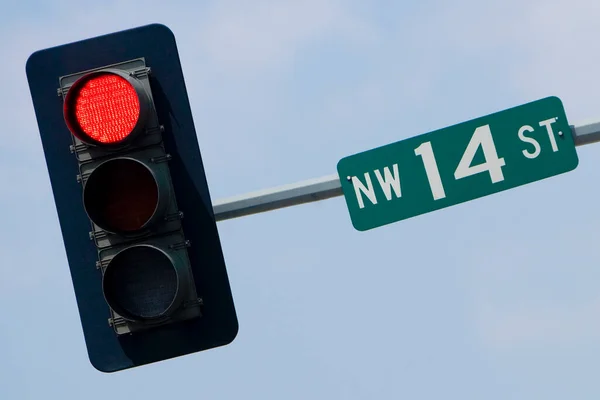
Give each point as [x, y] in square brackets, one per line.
[132, 198]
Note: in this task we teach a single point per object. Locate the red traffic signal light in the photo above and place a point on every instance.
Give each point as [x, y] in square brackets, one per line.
[107, 107]
[150, 285]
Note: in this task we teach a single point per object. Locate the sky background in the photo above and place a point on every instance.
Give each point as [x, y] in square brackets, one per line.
[498, 298]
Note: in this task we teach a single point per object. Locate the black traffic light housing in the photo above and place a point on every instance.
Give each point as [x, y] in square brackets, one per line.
[132, 198]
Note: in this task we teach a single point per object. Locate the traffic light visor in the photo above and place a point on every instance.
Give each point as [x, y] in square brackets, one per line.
[106, 107]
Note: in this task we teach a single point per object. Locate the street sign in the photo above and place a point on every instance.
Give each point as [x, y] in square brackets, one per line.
[453, 165]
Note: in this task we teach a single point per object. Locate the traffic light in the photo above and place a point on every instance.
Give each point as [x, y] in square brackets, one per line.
[132, 198]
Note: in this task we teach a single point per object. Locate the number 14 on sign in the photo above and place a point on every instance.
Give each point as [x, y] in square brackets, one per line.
[493, 164]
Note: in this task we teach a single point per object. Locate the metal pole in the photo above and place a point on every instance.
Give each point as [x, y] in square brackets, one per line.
[586, 133]
[278, 197]
[329, 186]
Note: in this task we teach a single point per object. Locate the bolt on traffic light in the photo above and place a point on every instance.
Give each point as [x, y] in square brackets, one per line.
[132, 198]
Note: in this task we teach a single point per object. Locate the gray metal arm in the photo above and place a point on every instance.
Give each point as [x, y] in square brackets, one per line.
[278, 197]
[329, 186]
[586, 133]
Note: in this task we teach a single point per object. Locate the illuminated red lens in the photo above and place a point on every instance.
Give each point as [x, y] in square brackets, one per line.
[106, 108]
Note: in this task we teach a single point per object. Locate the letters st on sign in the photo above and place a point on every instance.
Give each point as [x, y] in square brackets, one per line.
[453, 165]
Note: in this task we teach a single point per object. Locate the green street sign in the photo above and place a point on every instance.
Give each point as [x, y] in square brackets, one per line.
[453, 165]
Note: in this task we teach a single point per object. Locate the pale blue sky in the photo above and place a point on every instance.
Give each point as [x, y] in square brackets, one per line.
[492, 299]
